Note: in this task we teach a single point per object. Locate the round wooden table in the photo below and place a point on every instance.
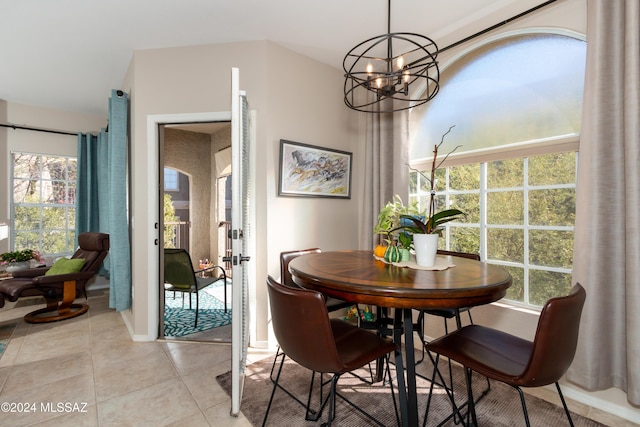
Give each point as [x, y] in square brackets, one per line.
[356, 276]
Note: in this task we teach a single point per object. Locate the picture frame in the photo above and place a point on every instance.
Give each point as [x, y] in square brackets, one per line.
[313, 171]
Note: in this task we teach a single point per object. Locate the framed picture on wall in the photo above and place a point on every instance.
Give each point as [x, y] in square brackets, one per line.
[312, 171]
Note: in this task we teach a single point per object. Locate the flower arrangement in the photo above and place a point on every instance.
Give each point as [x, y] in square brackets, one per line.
[20, 256]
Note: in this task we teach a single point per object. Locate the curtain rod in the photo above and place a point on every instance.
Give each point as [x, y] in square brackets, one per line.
[499, 24]
[59, 132]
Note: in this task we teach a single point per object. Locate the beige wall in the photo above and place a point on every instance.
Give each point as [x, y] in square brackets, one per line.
[292, 98]
[190, 153]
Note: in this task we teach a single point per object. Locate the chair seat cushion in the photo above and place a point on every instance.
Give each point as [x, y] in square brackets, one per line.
[65, 266]
[490, 352]
[359, 347]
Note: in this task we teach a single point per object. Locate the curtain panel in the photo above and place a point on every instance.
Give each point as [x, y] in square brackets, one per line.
[386, 168]
[607, 230]
[101, 201]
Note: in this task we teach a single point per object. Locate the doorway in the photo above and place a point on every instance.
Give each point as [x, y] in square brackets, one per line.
[192, 164]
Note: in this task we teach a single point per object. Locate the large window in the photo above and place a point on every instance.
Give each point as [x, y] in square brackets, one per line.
[43, 204]
[520, 214]
[517, 123]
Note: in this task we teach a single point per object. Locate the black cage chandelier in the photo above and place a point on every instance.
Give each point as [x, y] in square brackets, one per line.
[391, 72]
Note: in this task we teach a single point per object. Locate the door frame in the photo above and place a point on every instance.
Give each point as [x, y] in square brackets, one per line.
[153, 144]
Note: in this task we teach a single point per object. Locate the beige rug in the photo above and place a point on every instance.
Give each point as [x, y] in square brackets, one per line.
[501, 406]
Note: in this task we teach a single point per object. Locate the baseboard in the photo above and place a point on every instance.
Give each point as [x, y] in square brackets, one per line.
[621, 410]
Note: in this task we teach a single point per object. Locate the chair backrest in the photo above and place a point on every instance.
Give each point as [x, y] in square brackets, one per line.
[285, 259]
[178, 269]
[93, 248]
[556, 339]
[469, 255]
[302, 327]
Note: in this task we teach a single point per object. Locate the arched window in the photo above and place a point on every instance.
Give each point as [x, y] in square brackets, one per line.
[516, 105]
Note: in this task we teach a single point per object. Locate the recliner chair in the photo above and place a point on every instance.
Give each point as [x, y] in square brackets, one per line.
[60, 290]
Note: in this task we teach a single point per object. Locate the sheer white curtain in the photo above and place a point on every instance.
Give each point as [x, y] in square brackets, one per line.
[607, 233]
[386, 170]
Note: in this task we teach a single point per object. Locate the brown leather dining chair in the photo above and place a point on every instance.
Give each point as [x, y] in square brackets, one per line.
[59, 290]
[306, 335]
[516, 361]
[333, 304]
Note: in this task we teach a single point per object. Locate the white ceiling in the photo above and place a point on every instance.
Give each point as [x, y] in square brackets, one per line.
[69, 54]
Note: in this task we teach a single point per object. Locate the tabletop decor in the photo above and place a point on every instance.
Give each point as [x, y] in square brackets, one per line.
[19, 260]
[311, 171]
[398, 241]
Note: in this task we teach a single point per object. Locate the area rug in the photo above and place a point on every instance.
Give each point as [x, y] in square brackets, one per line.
[500, 407]
[179, 319]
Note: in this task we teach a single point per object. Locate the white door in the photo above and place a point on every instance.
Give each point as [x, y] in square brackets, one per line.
[241, 238]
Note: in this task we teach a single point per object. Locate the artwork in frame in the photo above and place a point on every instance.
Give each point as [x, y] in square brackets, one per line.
[312, 171]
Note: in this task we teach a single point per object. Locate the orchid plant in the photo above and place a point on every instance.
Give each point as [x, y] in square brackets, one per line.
[432, 221]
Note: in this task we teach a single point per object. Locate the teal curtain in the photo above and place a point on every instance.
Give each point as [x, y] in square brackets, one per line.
[101, 196]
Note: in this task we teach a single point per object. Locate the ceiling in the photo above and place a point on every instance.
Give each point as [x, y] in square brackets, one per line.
[69, 54]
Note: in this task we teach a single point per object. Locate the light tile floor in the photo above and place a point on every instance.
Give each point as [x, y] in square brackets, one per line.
[102, 378]
[91, 367]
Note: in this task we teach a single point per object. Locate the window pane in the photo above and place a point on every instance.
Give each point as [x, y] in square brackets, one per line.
[26, 218]
[516, 290]
[550, 169]
[26, 166]
[505, 245]
[413, 182]
[54, 192]
[465, 177]
[547, 284]
[72, 166]
[57, 242]
[26, 240]
[26, 191]
[505, 207]
[464, 239]
[54, 218]
[552, 207]
[469, 204]
[505, 173]
[551, 248]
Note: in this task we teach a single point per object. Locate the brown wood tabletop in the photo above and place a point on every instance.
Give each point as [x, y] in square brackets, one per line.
[356, 276]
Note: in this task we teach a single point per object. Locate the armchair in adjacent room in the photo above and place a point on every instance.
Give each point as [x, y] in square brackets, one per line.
[61, 283]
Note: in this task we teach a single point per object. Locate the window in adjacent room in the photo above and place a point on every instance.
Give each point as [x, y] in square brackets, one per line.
[516, 106]
[43, 203]
[171, 182]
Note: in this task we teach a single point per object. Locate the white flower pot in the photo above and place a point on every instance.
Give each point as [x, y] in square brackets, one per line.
[426, 246]
[17, 266]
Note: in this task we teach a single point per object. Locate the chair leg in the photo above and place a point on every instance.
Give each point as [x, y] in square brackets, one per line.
[310, 414]
[332, 401]
[273, 392]
[564, 404]
[197, 305]
[524, 407]
[455, 414]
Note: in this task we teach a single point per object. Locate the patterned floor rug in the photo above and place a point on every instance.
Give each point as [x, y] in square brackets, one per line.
[178, 321]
